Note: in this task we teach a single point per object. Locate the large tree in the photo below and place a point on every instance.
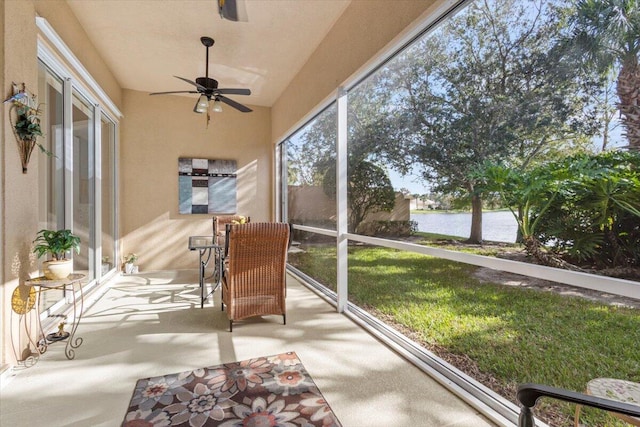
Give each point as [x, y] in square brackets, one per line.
[369, 190]
[489, 84]
[609, 32]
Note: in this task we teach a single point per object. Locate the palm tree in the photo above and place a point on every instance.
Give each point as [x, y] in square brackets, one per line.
[609, 31]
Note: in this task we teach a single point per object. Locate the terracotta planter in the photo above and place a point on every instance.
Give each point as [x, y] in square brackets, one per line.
[56, 270]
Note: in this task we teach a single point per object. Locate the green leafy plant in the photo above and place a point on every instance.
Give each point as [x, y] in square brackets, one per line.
[582, 209]
[56, 243]
[27, 124]
[130, 258]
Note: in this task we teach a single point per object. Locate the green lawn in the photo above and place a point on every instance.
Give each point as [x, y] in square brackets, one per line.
[513, 335]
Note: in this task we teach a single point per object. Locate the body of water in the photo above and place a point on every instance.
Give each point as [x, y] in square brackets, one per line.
[498, 226]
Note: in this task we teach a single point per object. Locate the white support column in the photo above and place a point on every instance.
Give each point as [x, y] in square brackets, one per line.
[341, 200]
[67, 119]
[97, 182]
[280, 203]
[116, 195]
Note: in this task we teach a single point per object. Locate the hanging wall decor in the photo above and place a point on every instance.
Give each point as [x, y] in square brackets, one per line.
[207, 186]
[24, 117]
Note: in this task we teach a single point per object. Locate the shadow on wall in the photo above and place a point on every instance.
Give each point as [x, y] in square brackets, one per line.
[162, 243]
[23, 262]
[22, 321]
[248, 194]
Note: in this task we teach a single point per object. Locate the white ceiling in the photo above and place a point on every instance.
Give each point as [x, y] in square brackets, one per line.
[146, 42]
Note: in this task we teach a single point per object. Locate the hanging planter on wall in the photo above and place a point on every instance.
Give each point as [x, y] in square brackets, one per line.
[24, 117]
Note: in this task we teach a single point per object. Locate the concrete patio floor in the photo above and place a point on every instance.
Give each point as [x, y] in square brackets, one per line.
[151, 324]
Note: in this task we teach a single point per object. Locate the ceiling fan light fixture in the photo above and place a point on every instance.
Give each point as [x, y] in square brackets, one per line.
[217, 106]
[202, 105]
[208, 88]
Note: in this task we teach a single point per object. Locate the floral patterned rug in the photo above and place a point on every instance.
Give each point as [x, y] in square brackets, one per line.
[266, 391]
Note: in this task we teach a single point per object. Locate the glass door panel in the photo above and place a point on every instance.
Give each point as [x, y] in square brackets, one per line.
[107, 186]
[51, 167]
[84, 185]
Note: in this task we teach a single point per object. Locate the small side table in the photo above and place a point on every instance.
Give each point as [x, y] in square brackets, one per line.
[614, 389]
[45, 284]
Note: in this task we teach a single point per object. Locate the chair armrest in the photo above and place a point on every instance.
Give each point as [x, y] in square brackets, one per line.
[528, 394]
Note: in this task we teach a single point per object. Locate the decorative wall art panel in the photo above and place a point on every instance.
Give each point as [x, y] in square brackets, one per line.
[207, 186]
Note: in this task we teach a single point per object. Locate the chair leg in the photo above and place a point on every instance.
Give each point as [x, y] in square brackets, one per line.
[284, 319]
[230, 325]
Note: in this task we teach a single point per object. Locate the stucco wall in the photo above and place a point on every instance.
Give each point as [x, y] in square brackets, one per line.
[401, 211]
[156, 131]
[2, 148]
[310, 203]
[20, 191]
[18, 215]
[364, 29]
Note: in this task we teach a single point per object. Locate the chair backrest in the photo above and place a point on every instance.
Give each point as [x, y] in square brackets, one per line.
[220, 222]
[254, 282]
[258, 249]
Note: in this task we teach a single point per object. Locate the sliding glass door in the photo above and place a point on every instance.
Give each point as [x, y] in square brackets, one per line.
[77, 177]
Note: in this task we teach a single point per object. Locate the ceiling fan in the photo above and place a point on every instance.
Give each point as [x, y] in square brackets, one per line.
[208, 89]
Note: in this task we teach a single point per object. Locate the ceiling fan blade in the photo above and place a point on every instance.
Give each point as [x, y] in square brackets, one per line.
[200, 87]
[174, 91]
[234, 104]
[233, 10]
[233, 91]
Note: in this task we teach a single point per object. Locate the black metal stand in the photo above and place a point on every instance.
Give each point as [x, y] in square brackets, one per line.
[72, 342]
[207, 249]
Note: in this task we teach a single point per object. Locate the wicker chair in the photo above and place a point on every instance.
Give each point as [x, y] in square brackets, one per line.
[220, 222]
[253, 283]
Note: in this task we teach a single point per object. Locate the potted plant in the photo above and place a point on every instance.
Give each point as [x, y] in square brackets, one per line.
[129, 267]
[56, 244]
[106, 265]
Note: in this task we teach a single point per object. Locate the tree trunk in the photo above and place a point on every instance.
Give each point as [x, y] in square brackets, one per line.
[519, 237]
[611, 240]
[628, 89]
[534, 248]
[476, 220]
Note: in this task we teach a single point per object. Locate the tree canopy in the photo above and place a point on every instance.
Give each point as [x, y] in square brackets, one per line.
[608, 34]
[490, 84]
